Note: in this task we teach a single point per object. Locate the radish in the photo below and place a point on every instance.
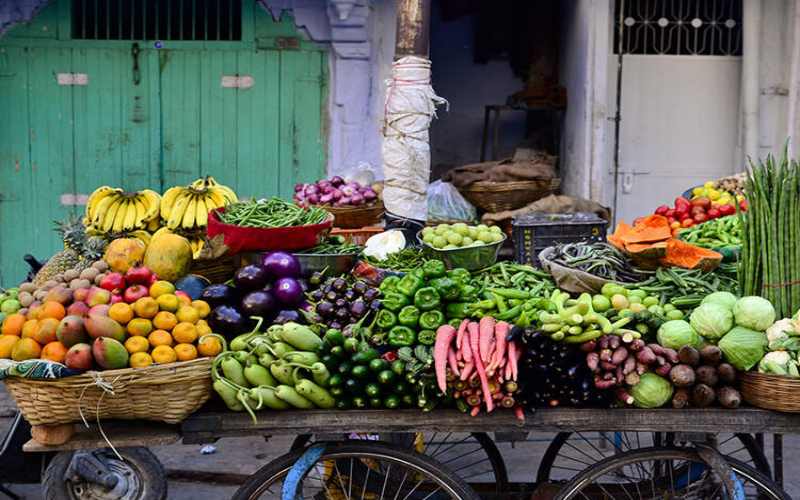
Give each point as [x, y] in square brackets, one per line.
[474, 338]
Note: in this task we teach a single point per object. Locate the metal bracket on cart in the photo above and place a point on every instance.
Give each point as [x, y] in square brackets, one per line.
[85, 466]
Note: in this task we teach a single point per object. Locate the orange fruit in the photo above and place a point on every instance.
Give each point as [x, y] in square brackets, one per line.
[137, 344]
[139, 326]
[121, 312]
[159, 338]
[209, 346]
[202, 327]
[165, 320]
[188, 314]
[53, 309]
[54, 351]
[13, 324]
[7, 343]
[163, 354]
[184, 333]
[46, 330]
[203, 309]
[140, 360]
[168, 302]
[29, 328]
[185, 352]
[146, 307]
[25, 349]
[183, 298]
[160, 288]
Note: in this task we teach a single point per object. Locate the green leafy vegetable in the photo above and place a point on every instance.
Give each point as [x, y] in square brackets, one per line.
[652, 391]
[711, 320]
[677, 333]
[743, 348]
[754, 312]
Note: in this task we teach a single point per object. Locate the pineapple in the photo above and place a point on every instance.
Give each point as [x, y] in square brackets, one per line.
[79, 251]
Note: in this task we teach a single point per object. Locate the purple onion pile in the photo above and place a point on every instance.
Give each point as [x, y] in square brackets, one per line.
[334, 192]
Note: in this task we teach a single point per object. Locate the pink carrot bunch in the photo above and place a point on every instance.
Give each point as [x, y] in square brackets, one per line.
[477, 364]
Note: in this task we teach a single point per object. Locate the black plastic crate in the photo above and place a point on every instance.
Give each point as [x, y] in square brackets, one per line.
[532, 233]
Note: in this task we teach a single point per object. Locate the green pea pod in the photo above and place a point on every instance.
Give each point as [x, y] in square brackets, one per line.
[258, 375]
[306, 358]
[233, 371]
[301, 337]
[288, 394]
[282, 372]
[315, 394]
[265, 396]
[228, 394]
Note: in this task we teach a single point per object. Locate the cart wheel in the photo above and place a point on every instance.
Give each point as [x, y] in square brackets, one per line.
[100, 475]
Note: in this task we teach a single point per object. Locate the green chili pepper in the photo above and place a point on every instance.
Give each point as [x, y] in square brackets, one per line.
[458, 310]
[394, 301]
[426, 337]
[409, 284]
[434, 269]
[427, 298]
[401, 336]
[468, 293]
[447, 288]
[408, 316]
[389, 284]
[431, 320]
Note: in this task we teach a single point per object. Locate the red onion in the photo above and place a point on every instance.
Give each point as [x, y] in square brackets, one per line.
[336, 194]
[370, 195]
[313, 199]
[325, 199]
[348, 190]
[337, 181]
[357, 199]
[311, 189]
[298, 187]
[344, 200]
[324, 184]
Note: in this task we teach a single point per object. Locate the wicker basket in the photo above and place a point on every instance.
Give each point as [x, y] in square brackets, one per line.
[356, 217]
[501, 196]
[166, 393]
[772, 392]
[215, 270]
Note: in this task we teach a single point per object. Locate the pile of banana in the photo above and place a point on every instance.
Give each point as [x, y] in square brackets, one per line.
[112, 210]
[187, 207]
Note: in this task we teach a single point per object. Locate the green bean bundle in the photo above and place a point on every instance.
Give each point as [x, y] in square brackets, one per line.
[405, 260]
[599, 259]
[273, 212]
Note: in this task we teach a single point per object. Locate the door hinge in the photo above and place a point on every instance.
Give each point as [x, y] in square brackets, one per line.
[238, 82]
[72, 79]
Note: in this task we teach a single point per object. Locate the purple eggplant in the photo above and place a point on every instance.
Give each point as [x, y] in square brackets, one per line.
[250, 277]
[281, 265]
[228, 321]
[286, 316]
[258, 303]
[219, 295]
[288, 291]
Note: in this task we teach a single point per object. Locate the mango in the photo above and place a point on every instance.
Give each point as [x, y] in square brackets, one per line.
[26, 349]
[71, 331]
[109, 353]
[60, 294]
[98, 296]
[79, 357]
[169, 256]
[103, 326]
[78, 309]
[124, 253]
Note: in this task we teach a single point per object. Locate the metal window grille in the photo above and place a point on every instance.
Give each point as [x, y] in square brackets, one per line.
[202, 20]
[678, 27]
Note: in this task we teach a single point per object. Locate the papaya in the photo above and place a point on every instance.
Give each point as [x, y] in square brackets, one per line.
[169, 256]
[124, 253]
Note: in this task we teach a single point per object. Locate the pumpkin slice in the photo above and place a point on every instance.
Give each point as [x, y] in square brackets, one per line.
[688, 256]
[648, 230]
[655, 250]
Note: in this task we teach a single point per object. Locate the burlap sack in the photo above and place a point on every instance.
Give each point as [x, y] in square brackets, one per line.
[553, 204]
[571, 280]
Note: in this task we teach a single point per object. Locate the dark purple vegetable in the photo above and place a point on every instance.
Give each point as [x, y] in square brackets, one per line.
[286, 316]
[250, 277]
[281, 265]
[358, 308]
[288, 291]
[340, 303]
[335, 324]
[331, 296]
[350, 294]
[375, 305]
[258, 303]
[325, 309]
[371, 294]
[336, 181]
[342, 313]
[339, 284]
[360, 287]
[227, 321]
[218, 295]
[315, 278]
[317, 295]
[304, 284]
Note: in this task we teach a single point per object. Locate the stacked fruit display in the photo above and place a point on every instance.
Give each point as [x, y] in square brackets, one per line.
[687, 213]
[723, 191]
[130, 319]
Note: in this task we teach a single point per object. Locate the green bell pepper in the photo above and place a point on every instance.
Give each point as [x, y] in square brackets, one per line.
[457, 310]
[409, 284]
[468, 293]
[434, 269]
[394, 301]
[431, 320]
[448, 289]
[426, 337]
[385, 319]
[455, 322]
[427, 298]
[459, 274]
[389, 284]
[402, 336]
[408, 316]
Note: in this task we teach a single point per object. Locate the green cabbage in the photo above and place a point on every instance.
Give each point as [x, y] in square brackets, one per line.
[712, 320]
[726, 299]
[754, 312]
[677, 333]
[652, 391]
[743, 348]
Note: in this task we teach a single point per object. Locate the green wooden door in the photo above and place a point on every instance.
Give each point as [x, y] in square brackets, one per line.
[168, 122]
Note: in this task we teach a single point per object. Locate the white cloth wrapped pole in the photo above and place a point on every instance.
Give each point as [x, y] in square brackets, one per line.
[410, 107]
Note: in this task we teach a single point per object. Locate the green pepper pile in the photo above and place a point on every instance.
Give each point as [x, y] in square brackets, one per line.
[414, 306]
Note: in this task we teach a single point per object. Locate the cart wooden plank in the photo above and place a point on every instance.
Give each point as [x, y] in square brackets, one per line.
[206, 426]
[120, 433]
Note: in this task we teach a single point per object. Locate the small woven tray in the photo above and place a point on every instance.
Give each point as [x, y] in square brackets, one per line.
[501, 196]
[771, 392]
[167, 393]
[357, 217]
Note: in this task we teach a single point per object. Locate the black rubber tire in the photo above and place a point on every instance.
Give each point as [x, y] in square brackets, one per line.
[572, 488]
[486, 442]
[147, 466]
[281, 465]
[748, 441]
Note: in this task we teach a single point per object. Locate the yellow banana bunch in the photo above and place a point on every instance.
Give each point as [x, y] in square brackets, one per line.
[112, 210]
[197, 246]
[187, 207]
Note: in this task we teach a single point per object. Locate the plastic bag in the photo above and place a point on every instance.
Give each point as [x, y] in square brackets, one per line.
[445, 203]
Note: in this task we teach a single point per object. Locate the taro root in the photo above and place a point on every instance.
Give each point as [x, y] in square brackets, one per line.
[707, 375]
[681, 398]
[726, 373]
[711, 355]
[689, 355]
[703, 396]
[729, 397]
[682, 375]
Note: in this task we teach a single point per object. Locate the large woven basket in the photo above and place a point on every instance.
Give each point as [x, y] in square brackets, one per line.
[501, 196]
[167, 393]
[771, 392]
[217, 270]
[356, 217]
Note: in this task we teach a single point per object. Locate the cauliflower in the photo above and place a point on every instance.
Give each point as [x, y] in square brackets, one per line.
[778, 363]
[381, 245]
[778, 333]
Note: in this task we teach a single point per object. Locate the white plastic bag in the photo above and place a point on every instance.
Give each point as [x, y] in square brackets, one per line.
[445, 203]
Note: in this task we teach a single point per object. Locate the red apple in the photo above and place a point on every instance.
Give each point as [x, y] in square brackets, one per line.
[138, 276]
[662, 210]
[113, 282]
[713, 213]
[701, 217]
[134, 293]
[78, 308]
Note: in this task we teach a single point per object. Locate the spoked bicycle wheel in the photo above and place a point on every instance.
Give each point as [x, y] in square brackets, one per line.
[355, 470]
[572, 452]
[661, 473]
[473, 457]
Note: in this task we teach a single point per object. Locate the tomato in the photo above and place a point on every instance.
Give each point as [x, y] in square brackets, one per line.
[662, 210]
[701, 202]
[700, 218]
[743, 205]
[687, 223]
[726, 210]
[670, 213]
[697, 210]
[681, 202]
[713, 213]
